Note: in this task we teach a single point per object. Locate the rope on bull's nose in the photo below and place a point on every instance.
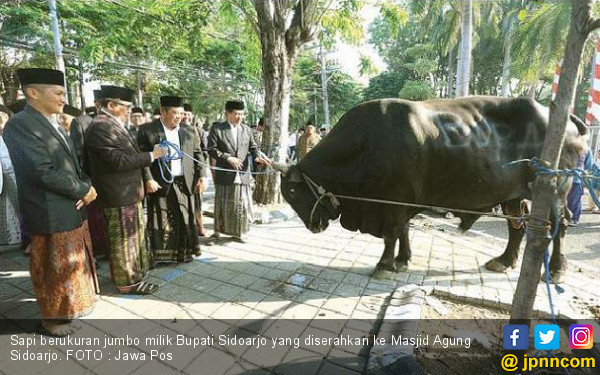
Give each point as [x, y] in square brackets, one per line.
[319, 192]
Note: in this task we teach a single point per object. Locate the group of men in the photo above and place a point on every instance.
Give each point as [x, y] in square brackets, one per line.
[59, 177]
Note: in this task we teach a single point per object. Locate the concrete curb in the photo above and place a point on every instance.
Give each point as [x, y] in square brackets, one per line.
[405, 305]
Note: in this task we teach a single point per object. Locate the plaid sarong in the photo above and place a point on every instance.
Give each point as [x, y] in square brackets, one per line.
[233, 209]
[129, 259]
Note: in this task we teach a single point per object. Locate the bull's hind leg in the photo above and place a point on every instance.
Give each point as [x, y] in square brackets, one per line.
[385, 268]
[511, 253]
[404, 252]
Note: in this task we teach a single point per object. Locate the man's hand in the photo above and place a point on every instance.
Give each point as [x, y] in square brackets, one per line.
[87, 199]
[235, 163]
[200, 185]
[159, 151]
[263, 160]
[152, 186]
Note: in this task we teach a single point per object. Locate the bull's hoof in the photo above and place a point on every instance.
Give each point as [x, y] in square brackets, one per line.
[556, 277]
[380, 274]
[495, 265]
[401, 266]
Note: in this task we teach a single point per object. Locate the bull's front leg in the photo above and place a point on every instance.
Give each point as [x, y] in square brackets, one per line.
[385, 268]
[404, 252]
[511, 253]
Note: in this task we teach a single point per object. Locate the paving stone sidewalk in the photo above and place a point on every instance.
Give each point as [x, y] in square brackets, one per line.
[285, 272]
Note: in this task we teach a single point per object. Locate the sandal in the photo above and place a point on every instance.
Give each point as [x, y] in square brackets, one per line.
[143, 288]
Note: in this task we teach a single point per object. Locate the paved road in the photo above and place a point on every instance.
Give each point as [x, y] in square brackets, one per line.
[581, 246]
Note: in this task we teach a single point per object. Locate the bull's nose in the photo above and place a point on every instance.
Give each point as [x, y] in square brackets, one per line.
[315, 229]
[318, 228]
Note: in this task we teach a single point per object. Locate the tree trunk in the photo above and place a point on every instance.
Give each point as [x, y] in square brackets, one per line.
[280, 46]
[506, 65]
[464, 67]
[449, 93]
[277, 65]
[544, 193]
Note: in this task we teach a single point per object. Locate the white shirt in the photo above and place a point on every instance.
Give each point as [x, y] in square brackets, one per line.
[173, 137]
[291, 141]
[234, 134]
[54, 121]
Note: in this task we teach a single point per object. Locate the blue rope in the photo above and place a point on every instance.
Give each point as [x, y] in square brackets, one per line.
[565, 173]
[576, 172]
[176, 153]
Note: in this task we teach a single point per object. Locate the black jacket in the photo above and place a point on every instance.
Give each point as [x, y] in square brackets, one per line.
[115, 163]
[152, 133]
[49, 176]
[221, 146]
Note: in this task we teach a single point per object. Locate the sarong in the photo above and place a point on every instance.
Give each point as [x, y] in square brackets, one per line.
[10, 225]
[172, 225]
[128, 257]
[233, 209]
[97, 225]
[63, 273]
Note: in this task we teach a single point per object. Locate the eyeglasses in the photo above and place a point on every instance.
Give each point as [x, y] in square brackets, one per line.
[124, 104]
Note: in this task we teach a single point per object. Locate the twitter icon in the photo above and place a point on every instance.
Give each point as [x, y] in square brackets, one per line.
[547, 337]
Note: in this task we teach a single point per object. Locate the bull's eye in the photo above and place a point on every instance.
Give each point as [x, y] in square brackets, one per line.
[292, 191]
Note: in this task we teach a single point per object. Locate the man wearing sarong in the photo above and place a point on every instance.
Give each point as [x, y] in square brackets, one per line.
[189, 119]
[95, 214]
[116, 165]
[229, 144]
[171, 210]
[53, 191]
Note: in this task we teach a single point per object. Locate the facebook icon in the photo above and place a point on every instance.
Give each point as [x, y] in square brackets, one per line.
[516, 336]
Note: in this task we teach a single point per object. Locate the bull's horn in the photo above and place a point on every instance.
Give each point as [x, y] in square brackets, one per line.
[281, 167]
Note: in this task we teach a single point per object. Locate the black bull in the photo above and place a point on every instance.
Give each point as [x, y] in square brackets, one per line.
[470, 153]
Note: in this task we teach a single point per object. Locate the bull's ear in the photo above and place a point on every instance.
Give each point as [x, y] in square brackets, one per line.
[283, 168]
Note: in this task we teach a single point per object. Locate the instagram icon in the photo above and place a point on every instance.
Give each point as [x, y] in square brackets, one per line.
[581, 336]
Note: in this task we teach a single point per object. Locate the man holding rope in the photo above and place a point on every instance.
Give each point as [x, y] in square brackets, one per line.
[229, 144]
[116, 164]
[171, 210]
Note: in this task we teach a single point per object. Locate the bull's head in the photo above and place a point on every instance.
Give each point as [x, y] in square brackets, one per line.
[314, 210]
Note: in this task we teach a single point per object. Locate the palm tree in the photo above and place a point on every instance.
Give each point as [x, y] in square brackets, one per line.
[463, 72]
[539, 42]
[508, 27]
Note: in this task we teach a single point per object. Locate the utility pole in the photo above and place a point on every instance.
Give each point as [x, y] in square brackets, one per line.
[60, 63]
[1, 82]
[315, 104]
[139, 88]
[81, 84]
[324, 86]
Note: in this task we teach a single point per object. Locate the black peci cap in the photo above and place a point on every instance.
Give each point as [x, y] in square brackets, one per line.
[118, 93]
[232, 105]
[187, 108]
[72, 111]
[98, 95]
[171, 101]
[41, 76]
